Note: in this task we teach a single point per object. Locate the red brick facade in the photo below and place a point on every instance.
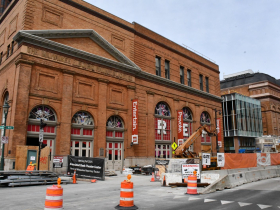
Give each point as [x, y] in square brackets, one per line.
[98, 70]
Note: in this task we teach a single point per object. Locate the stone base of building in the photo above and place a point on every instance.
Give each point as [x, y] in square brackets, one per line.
[133, 161]
[9, 164]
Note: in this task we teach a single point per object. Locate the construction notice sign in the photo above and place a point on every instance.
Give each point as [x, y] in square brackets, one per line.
[5, 139]
[88, 168]
[206, 159]
[220, 159]
[57, 161]
[188, 169]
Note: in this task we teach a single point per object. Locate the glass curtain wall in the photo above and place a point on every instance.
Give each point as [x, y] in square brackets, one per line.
[241, 116]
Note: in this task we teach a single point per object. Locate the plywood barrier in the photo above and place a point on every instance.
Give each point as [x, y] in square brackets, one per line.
[45, 159]
[21, 156]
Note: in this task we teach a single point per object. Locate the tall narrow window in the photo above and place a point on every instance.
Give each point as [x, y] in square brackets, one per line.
[201, 82]
[207, 84]
[182, 75]
[8, 51]
[167, 69]
[158, 72]
[189, 78]
[12, 47]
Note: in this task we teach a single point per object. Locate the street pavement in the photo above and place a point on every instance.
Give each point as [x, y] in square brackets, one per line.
[104, 195]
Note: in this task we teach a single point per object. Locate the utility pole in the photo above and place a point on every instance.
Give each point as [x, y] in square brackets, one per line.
[41, 138]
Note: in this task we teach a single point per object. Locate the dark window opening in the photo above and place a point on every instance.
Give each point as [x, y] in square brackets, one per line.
[189, 78]
[158, 71]
[201, 82]
[207, 84]
[167, 69]
[182, 75]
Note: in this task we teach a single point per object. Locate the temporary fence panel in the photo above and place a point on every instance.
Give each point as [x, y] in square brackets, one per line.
[237, 160]
[275, 158]
[263, 159]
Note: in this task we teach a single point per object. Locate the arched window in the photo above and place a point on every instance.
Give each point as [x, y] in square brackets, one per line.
[42, 112]
[162, 131]
[48, 115]
[82, 134]
[205, 119]
[115, 127]
[114, 146]
[188, 124]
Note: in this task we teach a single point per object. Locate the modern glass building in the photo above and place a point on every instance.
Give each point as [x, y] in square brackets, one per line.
[242, 122]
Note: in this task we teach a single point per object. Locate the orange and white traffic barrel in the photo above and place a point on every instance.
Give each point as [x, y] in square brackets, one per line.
[54, 197]
[126, 195]
[192, 184]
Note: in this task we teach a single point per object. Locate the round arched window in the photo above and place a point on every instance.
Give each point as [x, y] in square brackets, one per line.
[82, 133]
[162, 130]
[48, 115]
[205, 119]
[42, 112]
[115, 127]
[188, 123]
[82, 118]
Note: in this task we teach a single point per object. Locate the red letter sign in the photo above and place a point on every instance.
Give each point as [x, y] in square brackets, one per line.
[180, 125]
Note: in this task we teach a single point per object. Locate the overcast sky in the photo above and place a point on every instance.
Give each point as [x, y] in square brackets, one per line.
[238, 35]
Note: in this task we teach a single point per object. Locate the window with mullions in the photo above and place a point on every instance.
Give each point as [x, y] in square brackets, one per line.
[182, 75]
[167, 69]
[162, 151]
[42, 112]
[162, 122]
[205, 119]
[115, 128]
[207, 84]
[201, 82]
[189, 76]
[82, 134]
[158, 64]
[188, 119]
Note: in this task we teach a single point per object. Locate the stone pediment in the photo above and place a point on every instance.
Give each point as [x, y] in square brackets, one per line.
[84, 44]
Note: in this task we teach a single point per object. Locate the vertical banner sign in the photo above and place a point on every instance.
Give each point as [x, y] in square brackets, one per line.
[180, 126]
[206, 159]
[220, 159]
[219, 133]
[135, 121]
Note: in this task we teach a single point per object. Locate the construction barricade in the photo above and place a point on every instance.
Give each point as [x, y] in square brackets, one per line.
[126, 195]
[192, 185]
[54, 197]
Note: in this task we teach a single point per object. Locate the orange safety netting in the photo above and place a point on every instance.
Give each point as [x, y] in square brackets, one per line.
[275, 158]
[233, 160]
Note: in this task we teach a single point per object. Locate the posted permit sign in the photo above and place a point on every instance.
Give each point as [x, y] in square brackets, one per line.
[188, 169]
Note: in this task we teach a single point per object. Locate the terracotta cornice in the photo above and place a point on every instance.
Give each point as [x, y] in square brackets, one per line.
[103, 80]
[19, 61]
[131, 87]
[150, 92]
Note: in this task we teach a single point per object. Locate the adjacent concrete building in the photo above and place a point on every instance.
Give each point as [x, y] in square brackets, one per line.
[80, 69]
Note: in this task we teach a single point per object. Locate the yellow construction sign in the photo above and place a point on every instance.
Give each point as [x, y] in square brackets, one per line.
[174, 146]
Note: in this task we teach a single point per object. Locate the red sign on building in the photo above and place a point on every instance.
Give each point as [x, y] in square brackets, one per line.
[219, 133]
[135, 121]
[180, 125]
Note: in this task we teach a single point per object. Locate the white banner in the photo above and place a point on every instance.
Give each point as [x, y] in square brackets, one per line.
[206, 159]
[263, 159]
[220, 159]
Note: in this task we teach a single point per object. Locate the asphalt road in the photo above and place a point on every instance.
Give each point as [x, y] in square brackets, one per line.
[104, 195]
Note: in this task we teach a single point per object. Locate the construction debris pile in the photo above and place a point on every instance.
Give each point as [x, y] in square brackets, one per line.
[20, 178]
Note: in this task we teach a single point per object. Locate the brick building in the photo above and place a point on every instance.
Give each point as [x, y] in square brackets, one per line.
[262, 87]
[80, 68]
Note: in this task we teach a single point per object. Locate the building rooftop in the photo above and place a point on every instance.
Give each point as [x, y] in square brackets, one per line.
[246, 78]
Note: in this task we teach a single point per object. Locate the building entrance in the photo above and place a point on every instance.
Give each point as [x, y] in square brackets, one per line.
[114, 156]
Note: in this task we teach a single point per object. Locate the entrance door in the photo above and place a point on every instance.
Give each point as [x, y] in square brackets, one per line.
[31, 157]
[114, 156]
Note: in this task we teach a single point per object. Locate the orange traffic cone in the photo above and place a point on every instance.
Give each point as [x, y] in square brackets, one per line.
[164, 182]
[74, 178]
[153, 177]
[185, 180]
[93, 180]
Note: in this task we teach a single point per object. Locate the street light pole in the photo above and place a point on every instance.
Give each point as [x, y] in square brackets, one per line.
[5, 110]
[217, 145]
